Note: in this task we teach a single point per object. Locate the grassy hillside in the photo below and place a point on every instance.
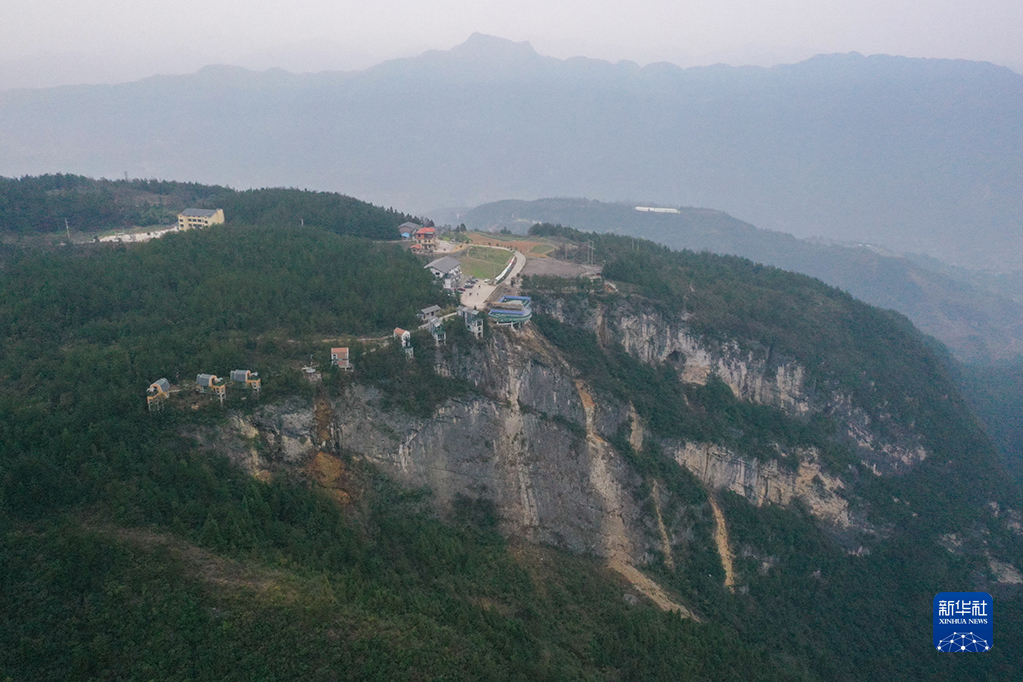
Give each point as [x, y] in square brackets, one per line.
[482, 262]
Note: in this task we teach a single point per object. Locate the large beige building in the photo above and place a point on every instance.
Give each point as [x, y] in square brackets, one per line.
[192, 218]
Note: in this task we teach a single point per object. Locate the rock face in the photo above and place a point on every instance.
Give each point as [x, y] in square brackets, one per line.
[753, 373]
[531, 442]
[536, 440]
[757, 375]
[770, 483]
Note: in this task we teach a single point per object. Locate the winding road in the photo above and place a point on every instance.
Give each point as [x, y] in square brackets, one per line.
[478, 296]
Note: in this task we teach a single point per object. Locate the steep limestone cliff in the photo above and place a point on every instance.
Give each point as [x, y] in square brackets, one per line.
[529, 439]
[753, 373]
[763, 483]
[536, 439]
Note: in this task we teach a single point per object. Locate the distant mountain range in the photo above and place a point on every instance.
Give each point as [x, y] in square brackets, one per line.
[978, 325]
[915, 154]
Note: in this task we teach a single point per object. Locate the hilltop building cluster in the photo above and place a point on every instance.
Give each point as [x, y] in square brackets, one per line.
[189, 219]
[424, 238]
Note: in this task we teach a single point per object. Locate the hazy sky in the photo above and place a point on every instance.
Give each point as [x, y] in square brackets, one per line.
[48, 42]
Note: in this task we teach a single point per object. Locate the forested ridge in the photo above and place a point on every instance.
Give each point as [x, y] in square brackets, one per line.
[889, 368]
[52, 203]
[974, 314]
[900, 377]
[130, 553]
[284, 584]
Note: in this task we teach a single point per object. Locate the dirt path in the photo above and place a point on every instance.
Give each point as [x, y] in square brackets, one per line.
[721, 539]
[649, 588]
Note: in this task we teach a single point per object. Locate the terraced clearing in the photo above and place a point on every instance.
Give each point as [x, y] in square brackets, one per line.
[530, 247]
[483, 262]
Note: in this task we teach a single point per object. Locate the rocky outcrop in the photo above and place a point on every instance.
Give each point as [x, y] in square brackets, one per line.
[274, 437]
[751, 377]
[770, 482]
[757, 375]
[753, 373]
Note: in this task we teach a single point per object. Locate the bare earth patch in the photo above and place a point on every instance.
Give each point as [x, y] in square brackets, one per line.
[211, 568]
[721, 540]
[558, 268]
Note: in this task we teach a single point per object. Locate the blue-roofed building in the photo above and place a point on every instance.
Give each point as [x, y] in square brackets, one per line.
[511, 310]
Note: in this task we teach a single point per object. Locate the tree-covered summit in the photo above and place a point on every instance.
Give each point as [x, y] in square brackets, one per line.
[42, 204]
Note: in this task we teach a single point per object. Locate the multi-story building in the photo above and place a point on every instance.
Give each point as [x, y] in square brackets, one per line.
[210, 384]
[339, 358]
[426, 239]
[193, 218]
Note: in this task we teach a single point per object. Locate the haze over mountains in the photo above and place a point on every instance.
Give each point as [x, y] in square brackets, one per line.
[976, 324]
[917, 155]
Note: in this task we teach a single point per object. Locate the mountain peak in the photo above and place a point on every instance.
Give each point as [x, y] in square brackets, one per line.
[481, 45]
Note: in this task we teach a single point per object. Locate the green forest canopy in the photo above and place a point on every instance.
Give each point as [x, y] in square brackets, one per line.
[387, 592]
[41, 204]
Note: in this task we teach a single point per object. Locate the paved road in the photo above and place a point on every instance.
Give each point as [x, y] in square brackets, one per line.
[520, 262]
[477, 296]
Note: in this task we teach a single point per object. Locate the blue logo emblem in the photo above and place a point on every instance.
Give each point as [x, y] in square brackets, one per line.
[963, 621]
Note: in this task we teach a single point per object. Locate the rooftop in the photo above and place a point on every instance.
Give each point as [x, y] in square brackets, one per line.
[199, 212]
[444, 265]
